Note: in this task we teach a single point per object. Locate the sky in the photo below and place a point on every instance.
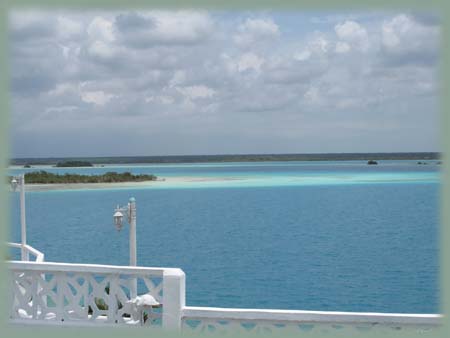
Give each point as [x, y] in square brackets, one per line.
[192, 82]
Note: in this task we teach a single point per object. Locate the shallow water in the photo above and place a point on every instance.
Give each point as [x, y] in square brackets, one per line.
[320, 236]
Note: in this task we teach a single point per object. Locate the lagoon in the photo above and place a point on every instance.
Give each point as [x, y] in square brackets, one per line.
[340, 236]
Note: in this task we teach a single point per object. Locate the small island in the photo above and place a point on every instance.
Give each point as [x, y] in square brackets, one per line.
[65, 164]
[44, 177]
[372, 162]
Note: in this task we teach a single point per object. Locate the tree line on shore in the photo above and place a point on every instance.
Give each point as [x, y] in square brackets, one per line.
[45, 177]
[64, 164]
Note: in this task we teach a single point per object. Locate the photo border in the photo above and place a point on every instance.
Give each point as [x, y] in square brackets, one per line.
[440, 6]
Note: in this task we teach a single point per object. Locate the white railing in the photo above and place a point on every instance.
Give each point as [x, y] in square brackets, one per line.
[94, 294]
[226, 320]
[28, 249]
[87, 294]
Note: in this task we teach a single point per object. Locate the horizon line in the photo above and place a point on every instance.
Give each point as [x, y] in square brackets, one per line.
[231, 154]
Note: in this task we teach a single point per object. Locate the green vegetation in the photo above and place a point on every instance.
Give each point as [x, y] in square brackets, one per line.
[74, 164]
[45, 177]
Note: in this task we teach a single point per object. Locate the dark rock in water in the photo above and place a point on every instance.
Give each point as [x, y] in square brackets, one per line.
[438, 162]
[372, 162]
[27, 166]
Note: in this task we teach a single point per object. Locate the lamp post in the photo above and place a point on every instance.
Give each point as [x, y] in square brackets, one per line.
[20, 181]
[130, 211]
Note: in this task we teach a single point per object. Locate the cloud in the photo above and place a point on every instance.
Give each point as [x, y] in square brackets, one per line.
[31, 25]
[342, 47]
[99, 97]
[319, 44]
[69, 28]
[406, 40]
[172, 71]
[101, 50]
[197, 92]
[250, 61]
[63, 89]
[312, 95]
[163, 28]
[101, 29]
[302, 56]
[61, 108]
[161, 99]
[254, 31]
[352, 35]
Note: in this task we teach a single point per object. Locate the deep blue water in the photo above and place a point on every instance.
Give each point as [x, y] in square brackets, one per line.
[343, 247]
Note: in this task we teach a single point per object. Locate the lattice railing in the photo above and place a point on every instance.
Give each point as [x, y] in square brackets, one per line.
[85, 294]
[91, 293]
[235, 321]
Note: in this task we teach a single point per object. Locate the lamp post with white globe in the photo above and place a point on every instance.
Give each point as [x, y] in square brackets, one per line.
[130, 211]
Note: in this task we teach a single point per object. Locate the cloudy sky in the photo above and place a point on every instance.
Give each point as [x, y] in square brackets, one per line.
[198, 82]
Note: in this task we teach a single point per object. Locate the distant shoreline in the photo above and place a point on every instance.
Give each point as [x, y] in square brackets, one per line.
[172, 159]
[115, 185]
[75, 186]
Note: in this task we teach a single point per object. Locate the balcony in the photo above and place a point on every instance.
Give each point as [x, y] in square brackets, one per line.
[104, 295]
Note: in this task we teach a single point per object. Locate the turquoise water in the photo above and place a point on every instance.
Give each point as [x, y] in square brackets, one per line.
[338, 236]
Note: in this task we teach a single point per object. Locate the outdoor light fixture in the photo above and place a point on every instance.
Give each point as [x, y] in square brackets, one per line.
[118, 219]
[14, 184]
[130, 211]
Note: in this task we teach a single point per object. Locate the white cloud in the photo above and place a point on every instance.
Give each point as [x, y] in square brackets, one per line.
[186, 26]
[319, 44]
[99, 97]
[256, 30]
[63, 88]
[196, 92]
[101, 29]
[312, 95]
[406, 40]
[302, 56]
[347, 103]
[101, 50]
[178, 78]
[60, 109]
[146, 29]
[393, 30]
[23, 19]
[353, 34]
[163, 99]
[69, 28]
[342, 47]
[155, 65]
[250, 61]
[65, 50]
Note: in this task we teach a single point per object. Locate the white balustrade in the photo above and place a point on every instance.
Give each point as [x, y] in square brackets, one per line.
[28, 249]
[88, 294]
[232, 321]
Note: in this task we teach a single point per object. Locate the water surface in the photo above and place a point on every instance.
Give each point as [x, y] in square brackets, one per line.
[340, 236]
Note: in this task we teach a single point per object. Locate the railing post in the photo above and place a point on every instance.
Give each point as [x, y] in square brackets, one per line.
[174, 298]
